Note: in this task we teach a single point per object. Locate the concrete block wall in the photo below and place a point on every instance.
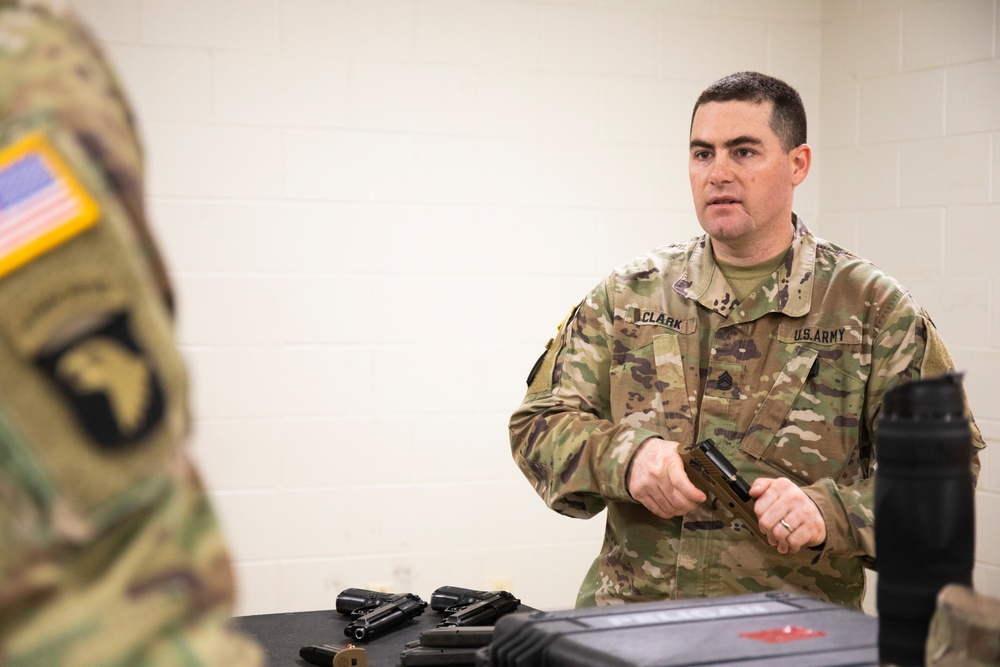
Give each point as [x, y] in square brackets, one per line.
[910, 177]
[376, 212]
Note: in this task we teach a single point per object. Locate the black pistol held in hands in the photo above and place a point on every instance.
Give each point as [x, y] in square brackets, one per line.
[714, 474]
[467, 607]
[373, 613]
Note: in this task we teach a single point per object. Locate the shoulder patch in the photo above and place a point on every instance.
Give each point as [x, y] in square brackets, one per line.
[540, 377]
[41, 202]
[109, 382]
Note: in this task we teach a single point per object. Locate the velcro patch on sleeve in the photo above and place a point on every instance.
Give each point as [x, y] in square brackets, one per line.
[41, 202]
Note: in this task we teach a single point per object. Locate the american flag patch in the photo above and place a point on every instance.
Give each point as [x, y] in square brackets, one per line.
[41, 203]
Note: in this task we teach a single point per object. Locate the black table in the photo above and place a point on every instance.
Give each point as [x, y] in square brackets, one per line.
[282, 635]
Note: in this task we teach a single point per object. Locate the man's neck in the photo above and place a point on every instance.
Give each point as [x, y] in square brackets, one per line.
[754, 251]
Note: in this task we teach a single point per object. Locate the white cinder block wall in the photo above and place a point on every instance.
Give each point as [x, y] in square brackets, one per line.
[910, 176]
[377, 211]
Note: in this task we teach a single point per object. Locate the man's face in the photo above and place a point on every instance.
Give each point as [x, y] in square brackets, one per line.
[742, 180]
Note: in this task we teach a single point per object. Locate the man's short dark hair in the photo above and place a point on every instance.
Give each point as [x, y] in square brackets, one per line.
[788, 115]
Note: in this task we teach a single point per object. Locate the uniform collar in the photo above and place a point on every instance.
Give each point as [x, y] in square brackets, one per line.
[787, 291]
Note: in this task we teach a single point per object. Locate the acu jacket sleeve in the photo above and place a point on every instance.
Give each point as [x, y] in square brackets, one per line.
[563, 436]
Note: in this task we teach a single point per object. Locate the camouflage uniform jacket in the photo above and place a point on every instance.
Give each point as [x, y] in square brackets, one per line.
[787, 383]
[110, 553]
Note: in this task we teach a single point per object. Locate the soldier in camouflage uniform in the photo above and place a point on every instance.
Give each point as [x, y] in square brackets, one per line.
[109, 551]
[777, 345]
[965, 629]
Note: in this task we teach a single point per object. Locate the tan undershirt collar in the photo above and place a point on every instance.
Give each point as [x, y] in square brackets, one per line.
[745, 279]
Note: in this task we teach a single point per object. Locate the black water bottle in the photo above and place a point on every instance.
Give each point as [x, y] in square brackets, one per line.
[924, 510]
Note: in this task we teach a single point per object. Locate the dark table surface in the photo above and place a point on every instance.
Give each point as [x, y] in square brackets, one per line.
[282, 635]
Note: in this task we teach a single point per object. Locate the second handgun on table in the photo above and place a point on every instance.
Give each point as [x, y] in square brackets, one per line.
[466, 606]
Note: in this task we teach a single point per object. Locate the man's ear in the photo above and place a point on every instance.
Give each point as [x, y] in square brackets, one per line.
[800, 159]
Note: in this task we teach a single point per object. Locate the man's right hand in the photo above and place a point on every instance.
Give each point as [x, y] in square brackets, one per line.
[657, 479]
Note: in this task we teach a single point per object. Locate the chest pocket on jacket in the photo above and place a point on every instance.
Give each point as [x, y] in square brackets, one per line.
[670, 372]
[808, 425]
[648, 388]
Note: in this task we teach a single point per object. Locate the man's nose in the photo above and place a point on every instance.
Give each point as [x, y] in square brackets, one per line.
[722, 171]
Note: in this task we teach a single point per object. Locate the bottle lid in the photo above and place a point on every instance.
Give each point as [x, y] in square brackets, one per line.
[938, 398]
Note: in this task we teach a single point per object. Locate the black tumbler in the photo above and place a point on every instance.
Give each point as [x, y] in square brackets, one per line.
[924, 510]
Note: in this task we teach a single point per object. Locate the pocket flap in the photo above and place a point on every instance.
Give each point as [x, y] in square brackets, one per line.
[778, 403]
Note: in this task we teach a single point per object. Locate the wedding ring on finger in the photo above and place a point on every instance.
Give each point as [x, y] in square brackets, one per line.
[785, 524]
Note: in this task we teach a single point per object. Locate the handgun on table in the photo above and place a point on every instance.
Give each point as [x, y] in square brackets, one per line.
[466, 606]
[373, 613]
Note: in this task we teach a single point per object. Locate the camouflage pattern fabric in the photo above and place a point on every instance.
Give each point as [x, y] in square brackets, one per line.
[965, 629]
[787, 383]
[53, 64]
[110, 553]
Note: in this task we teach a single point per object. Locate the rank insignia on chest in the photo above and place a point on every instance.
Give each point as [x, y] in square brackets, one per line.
[725, 381]
[41, 203]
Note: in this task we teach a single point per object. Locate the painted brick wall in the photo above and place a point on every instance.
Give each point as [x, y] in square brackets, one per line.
[377, 211]
[909, 177]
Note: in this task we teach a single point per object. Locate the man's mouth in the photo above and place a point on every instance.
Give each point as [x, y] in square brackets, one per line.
[722, 201]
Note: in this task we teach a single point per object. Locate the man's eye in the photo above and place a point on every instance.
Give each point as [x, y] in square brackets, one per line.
[701, 155]
[744, 152]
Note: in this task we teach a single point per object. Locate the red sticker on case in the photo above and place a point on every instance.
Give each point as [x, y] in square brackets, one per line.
[789, 633]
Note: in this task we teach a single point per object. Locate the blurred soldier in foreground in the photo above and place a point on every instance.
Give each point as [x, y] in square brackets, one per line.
[965, 629]
[109, 551]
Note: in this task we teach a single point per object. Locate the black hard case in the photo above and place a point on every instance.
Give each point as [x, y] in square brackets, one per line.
[687, 632]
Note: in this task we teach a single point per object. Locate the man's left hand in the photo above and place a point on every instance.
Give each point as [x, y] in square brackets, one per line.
[788, 517]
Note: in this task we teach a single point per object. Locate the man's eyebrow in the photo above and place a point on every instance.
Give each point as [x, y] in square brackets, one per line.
[742, 140]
